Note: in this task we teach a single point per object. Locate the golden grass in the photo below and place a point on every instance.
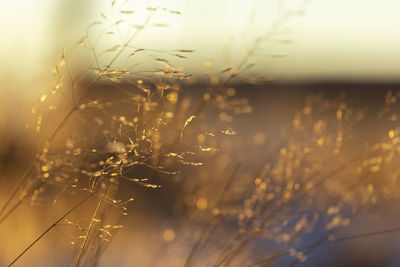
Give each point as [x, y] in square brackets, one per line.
[147, 128]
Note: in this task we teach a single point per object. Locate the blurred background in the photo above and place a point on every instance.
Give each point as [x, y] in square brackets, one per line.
[339, 40]
[306, 47]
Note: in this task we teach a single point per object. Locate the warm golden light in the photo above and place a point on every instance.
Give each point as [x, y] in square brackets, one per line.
[199, 133]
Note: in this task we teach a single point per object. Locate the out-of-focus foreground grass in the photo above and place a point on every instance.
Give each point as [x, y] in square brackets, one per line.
[123, 165]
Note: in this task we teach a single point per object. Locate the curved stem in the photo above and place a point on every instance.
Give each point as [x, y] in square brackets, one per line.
[66, 117]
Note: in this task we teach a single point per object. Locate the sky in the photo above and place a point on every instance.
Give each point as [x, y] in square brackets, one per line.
[330, 40]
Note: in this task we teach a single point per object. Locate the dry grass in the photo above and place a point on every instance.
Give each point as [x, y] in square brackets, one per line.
[107, 136]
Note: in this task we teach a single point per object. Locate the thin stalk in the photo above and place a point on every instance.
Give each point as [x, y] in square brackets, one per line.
[67, 116]
[14, 192]
[85, 242]
[206, 226]
[229, 253]
[327, 242]
[254, 235]
[18, 203]
[51, 227]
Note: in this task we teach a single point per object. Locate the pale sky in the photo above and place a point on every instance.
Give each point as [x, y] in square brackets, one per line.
[345, 39]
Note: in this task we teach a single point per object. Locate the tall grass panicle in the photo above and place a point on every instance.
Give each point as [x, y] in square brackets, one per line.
[134, 116]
